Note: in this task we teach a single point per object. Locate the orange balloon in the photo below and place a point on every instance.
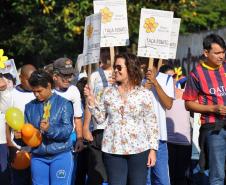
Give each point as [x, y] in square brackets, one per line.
[28, 130]
[21, 161]
[35, 140]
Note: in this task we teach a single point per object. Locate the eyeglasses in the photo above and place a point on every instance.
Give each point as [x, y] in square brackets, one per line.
[66, 77]
[118, 67]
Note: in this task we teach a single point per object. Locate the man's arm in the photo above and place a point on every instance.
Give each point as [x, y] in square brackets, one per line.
[165, 100]
[8, 137]
[78, 129]
[196, 107]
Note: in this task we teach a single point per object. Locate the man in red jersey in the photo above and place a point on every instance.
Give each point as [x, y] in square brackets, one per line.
[207, 84]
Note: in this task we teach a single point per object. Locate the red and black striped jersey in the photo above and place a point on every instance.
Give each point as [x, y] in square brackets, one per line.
[208, 86]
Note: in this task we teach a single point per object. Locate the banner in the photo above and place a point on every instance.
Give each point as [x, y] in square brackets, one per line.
[92, 31]
[114, 22]
[154, 33]
[174, 38]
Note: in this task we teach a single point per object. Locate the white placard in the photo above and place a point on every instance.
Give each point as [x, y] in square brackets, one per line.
[114, 22]
[10, 67]
[80, 62]
[174, 38]
[154, 33]
[92, 31]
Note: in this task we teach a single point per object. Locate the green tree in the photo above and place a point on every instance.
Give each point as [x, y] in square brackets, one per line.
[39, 31]
[33, 32]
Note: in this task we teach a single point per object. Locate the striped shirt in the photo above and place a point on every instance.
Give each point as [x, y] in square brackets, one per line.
[208, 86]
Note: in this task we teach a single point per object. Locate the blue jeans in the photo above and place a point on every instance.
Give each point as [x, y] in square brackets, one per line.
[121, 168]
[75, 158]
[55, 170]
[216, 144]
[159, 174]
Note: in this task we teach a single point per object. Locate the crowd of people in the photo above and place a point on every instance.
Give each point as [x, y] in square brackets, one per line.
[126, 124]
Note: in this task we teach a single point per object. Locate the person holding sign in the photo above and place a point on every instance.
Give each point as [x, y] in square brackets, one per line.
[99, 80]
[162, 86]
[52, 160]
[207, 84]
[130, 138]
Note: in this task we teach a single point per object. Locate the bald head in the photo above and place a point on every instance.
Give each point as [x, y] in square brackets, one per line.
[27, 69]
[25, 74]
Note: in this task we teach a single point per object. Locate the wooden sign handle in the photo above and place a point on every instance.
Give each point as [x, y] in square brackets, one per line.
[159, 63]
[89, 72]
[150, 63]
[112, 55]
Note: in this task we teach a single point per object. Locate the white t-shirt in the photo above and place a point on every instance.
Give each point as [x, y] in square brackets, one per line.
[5, 99]
[2, 128]
[166, 82]
[97, 87]
[20, 98]
[72, 94]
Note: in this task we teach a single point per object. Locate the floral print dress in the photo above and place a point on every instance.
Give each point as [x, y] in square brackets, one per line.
[132, 125]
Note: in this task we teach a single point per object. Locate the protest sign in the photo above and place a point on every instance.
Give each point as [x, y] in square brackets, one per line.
[10, 67]
[92, 31]
[114, 22]
[154, 33]
[174, 38]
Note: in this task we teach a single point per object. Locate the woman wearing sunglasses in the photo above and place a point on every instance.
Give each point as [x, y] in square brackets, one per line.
[52, 161]
[130, 138]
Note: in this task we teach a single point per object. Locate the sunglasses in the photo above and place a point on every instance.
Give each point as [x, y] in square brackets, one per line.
[118, 67]
[66, 77]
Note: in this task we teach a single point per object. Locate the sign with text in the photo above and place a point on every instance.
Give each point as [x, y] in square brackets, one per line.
[154, 33]
[114, 22]
[174, 38]
[10, 67]
[92, 31]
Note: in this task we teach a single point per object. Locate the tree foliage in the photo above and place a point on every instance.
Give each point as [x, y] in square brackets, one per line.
[39, 31]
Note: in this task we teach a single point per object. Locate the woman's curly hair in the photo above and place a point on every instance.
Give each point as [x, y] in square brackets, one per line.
[133, 68]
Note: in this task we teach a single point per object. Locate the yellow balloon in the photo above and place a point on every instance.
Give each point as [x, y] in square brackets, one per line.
[15, 118]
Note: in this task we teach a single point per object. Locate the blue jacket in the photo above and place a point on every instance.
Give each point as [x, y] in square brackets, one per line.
[57, 138]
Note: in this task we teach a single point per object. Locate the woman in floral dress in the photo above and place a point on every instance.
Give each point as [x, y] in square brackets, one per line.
[130, 138]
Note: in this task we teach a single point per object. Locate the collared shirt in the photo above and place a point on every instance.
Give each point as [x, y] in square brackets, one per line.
[132, 126]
